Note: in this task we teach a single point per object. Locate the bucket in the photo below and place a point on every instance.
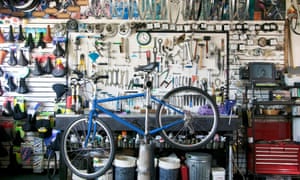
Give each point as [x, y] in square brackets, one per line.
[218, 173]
[168, 168]
[125, 167]
[98, 163]
[199, 165]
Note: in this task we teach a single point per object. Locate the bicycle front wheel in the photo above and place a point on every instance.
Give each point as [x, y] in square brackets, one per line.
[88, 156]
[188, 117]
[51, 164]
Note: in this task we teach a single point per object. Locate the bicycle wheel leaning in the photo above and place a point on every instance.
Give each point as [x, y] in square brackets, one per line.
[188, 117]
[92, 158]
[51, 164]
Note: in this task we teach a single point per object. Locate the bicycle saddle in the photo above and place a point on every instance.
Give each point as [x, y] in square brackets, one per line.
[147, 68]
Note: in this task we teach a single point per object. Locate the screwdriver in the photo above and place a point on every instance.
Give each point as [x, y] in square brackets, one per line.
[148, 56]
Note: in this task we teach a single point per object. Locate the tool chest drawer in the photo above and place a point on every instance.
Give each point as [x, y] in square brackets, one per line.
[276, 159]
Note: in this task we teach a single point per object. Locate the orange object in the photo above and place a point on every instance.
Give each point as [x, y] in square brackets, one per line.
[48, 38]
[124, 133]
[3, 54]
[2, 39]
[69, 102]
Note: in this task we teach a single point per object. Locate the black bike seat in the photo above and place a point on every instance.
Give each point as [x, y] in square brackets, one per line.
[147, 68]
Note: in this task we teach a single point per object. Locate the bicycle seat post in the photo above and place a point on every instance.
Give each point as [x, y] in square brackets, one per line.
[148, 87]
[146, 158]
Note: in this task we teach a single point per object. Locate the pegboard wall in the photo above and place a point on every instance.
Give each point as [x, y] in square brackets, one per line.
[182, 56]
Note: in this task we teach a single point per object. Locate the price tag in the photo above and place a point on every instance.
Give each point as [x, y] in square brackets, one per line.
[211, 27]
[242, 47]
[187, 27]
[245, 26]
[179, 27]
[273, 42]
[243, 37]
[195, 26]
[238, 26]
[233, 46]
[165, 26]
[219, 27]
[226, 27]
[156, 25]
[257, 27]
[203, 26]
[149, 26]
[251, 27]
[250, 42]
[235, 37]
[173, 27]
[266, 27]
[280, 28]
[273, 27]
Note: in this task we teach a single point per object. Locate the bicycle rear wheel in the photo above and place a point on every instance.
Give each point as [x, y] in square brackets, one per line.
[188, 117]
[89, 160]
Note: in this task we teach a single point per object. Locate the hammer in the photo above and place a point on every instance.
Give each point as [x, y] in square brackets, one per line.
[206, 39]
[200, 63]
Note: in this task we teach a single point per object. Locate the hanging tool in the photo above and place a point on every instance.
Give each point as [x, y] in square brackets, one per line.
[82, 65]
[116, 77]
[148, 56]
[196, 46]
[197, 59]
[188, 51]
[109, 52]
[160, 41]
[200, 63]
[155, 49]
[223, 54]
[206, 39]
[126, 44]
[196, 11]
[77, 103]
[174, 11]
[219, 64]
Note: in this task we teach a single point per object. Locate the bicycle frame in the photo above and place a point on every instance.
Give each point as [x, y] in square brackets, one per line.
[96, 106]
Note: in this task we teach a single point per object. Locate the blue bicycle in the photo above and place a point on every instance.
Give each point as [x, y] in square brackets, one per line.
[187, 118]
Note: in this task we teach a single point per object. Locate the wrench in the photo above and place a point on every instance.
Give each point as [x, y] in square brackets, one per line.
[126, 44]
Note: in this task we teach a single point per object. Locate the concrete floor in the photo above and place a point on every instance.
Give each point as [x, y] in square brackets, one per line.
[26, 174]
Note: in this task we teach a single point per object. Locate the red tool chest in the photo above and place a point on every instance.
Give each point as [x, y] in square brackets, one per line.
[275, 158]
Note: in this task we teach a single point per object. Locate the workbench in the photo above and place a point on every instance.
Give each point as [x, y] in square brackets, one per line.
[226, 125]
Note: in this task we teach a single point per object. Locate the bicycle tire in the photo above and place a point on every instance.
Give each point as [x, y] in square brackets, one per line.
[190, 130]
[294, 24]
[51, 158]
[80, 159]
